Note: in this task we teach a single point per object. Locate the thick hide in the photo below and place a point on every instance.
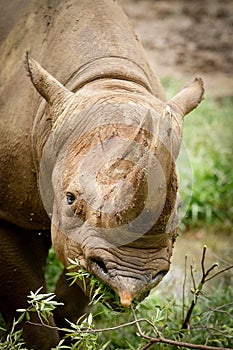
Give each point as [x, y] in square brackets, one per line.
[88, 147]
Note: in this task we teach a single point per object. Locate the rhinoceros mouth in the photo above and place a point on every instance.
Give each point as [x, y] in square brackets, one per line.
[157, 278]
[99, 268]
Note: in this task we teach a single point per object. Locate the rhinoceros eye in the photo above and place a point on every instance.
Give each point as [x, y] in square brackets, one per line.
[70, 197]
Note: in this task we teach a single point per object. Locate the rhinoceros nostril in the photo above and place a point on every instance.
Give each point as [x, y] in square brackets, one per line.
[99, 267]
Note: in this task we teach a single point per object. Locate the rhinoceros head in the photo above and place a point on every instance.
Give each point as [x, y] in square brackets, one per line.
[110, 158]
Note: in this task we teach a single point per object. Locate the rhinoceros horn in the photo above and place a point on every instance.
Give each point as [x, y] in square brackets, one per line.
[50, 88]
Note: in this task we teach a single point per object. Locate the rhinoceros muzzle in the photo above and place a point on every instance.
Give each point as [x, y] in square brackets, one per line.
[128, 283]
[99, 268]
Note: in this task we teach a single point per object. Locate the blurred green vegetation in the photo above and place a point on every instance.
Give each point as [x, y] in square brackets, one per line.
[205, 163]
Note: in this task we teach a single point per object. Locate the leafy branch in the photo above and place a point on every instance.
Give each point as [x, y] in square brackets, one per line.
[97, 290]
[198, 290]
[43, 304]
[161, 339]
[84, 334]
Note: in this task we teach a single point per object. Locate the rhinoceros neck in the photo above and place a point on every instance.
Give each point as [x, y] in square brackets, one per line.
[121, 68]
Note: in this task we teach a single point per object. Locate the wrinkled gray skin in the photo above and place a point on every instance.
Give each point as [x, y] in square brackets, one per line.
[89, 155]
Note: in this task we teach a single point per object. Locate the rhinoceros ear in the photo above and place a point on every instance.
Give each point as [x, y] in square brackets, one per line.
[187, 99]
[50, 88]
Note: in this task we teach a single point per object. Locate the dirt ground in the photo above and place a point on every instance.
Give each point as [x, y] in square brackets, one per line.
[184, 38]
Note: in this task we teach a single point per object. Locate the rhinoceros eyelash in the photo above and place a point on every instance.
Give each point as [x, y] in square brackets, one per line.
[70, 198]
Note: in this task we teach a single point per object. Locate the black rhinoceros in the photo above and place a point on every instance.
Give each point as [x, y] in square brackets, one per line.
[89, 155]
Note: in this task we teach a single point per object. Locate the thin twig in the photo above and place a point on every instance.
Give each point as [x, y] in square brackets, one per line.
[42, 324]
[184, 285]
[192, 275]
[218, 309]
[197, 291]
[147, 346]
[186, 323]
[209, 270]
[137, 321]
[218, 273]
[161, 339]
[210, 329]
[203, 260]
[100, 330]
[182, 344]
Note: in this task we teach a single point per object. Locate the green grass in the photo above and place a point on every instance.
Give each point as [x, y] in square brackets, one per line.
[206, 175]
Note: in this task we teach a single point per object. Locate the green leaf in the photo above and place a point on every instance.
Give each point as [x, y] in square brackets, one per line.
[89, 320]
